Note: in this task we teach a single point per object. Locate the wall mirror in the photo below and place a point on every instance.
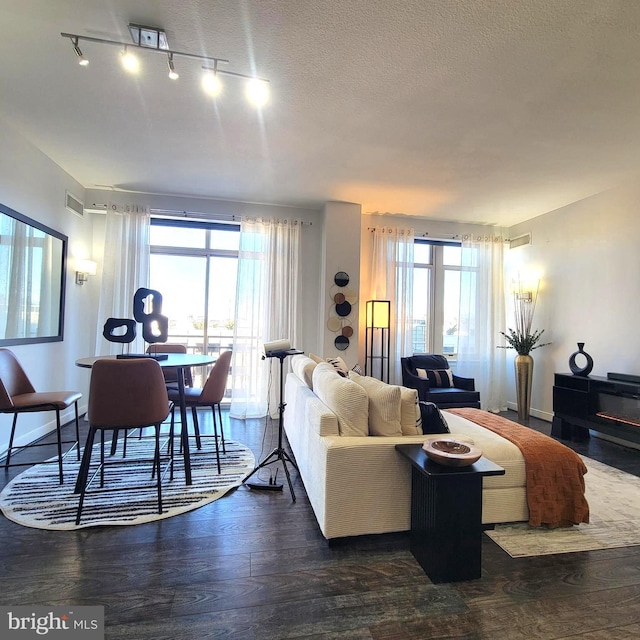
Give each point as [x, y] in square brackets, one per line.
[32, 280]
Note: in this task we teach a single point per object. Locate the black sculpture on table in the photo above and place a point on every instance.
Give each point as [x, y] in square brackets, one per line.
[155, 326]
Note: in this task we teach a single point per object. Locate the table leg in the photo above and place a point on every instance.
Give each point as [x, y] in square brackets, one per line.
[184, 431]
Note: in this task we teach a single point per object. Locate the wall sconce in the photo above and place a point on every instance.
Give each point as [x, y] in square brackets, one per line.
[377, 339]
[525, 290]
[84, 269]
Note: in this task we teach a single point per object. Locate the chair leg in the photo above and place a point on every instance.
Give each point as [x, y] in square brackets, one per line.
[171, 446]
[157, 465]
[196, 427]
[77, 431]
[59, 434]
[215, 437]
[224, 450]
[13, 431]
[101, 458]
[83, 473]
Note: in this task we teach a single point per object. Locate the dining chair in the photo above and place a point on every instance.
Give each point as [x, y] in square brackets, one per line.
[170, 378]
[210, 395]
[125, 393]
[171, 375]
[18, 395]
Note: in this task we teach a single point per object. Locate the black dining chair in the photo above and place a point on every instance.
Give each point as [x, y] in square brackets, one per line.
[18, 395]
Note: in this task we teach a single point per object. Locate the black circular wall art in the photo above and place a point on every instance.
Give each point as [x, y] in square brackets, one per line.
[341, 343]
[341, 279]
[343, 309]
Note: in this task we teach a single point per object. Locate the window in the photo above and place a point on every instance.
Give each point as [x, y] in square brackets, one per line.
[194, 266]
[436, 296]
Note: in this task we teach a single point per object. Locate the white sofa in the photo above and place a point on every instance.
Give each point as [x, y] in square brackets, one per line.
[359, 484]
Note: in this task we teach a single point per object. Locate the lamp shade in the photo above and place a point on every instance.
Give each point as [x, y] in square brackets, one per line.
[378, 314]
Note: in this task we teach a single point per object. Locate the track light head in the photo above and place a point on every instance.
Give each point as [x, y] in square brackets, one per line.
[211, 83]
[257, 92]
[173, 74]
[82, 61]
[129, 61]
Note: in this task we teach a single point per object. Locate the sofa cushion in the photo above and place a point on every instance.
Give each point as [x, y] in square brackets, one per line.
[384, 405]
[303, 367]
[432, 419]
[348, 400]
[437, 377]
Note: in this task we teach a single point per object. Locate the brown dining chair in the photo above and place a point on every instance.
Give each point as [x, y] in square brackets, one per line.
[125, 393]
[171, 375]
[18, 395]
[170, 378]
[210, 395]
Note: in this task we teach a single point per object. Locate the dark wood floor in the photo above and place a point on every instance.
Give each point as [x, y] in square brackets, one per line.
[253, 565]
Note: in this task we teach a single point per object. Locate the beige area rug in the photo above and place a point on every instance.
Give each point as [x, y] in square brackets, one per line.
[614, 505]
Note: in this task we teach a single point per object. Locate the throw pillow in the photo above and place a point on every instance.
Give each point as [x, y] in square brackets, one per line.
[437, 377]
[315, 358]
[432, 419]
[410, 415]
[339, 365]
[384, 405]
[348, 400]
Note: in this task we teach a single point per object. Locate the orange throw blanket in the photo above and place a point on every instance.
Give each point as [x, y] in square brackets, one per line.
[555, 473]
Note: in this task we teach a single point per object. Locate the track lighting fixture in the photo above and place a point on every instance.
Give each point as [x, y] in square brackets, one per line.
[155, 40]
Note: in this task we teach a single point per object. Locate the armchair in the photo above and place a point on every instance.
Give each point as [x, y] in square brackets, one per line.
[438, 384]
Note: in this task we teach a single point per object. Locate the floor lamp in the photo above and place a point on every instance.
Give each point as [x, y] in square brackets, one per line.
[279, 453]
[377, 339]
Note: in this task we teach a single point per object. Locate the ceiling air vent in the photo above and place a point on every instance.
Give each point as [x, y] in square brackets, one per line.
[520, 241]
[74, 205]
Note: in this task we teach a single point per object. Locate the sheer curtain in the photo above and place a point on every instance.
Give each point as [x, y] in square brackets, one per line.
[266, 310]
[392, 279]
[482, 317]
[125, 269]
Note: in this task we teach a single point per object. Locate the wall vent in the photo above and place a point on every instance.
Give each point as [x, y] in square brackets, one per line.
[74, 204]
[520, 241]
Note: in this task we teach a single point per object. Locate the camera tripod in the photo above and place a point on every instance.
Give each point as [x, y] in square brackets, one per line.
[278, 454]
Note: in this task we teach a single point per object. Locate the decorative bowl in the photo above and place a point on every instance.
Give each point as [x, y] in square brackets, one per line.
[451, 452]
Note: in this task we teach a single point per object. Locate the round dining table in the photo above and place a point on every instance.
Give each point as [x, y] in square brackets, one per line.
[180, 362]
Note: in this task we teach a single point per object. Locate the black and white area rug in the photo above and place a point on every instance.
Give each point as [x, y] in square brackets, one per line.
[36, 499]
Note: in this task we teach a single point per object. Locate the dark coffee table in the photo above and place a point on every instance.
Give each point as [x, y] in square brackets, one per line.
[446, 515]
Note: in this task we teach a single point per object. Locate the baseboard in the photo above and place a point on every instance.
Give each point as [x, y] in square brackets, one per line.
[536, 413]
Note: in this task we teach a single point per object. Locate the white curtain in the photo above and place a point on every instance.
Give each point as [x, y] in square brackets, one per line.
[392, 279]
[125, 268]
[482, 317]
[266, 310]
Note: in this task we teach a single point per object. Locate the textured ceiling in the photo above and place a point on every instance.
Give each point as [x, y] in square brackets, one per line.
[489, 111]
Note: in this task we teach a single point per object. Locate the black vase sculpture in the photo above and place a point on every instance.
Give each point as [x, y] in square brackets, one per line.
[575, 369]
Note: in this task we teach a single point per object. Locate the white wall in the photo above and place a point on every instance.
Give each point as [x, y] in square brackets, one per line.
[33, 185]
[587, 254]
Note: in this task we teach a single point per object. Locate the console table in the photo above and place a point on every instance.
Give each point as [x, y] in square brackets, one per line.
[609, 405]
[446, 515]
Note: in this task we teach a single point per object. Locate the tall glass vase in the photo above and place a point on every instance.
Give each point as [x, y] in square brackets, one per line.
[524, 378]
